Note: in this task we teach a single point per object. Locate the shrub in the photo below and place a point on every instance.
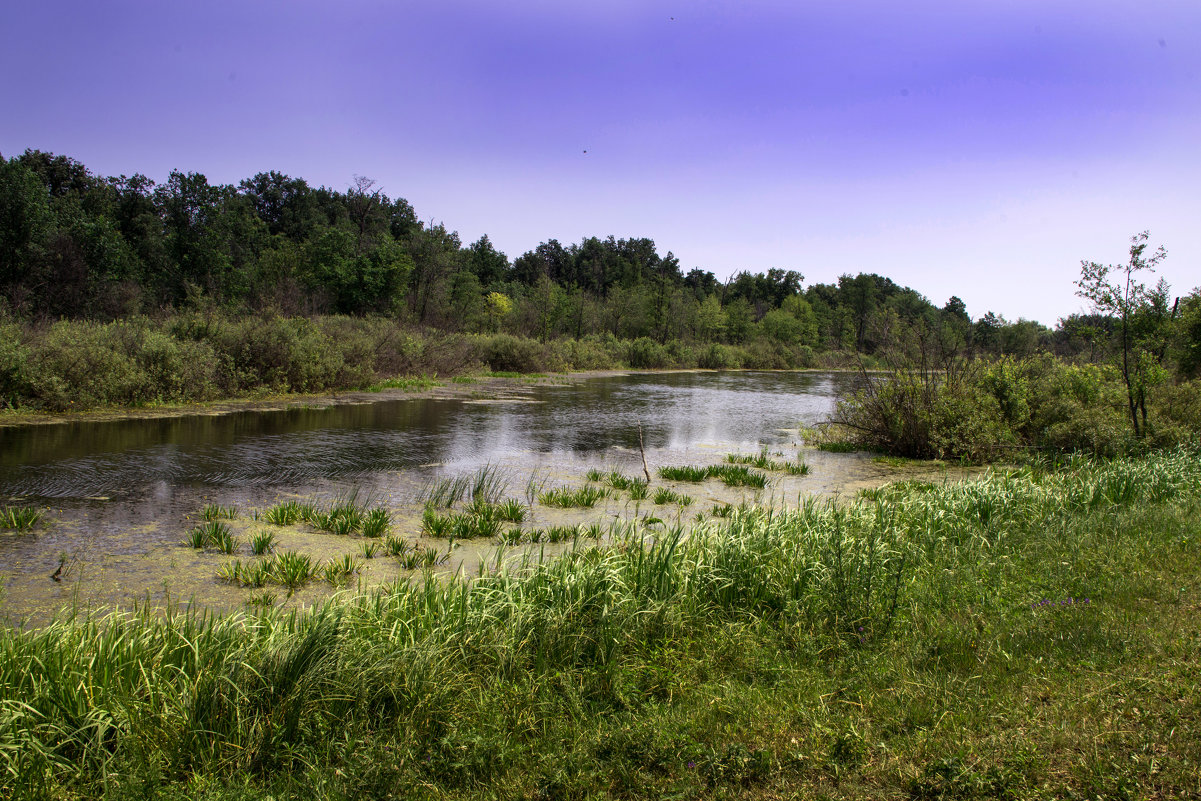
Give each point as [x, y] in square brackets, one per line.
[644, 353]
[505, 353]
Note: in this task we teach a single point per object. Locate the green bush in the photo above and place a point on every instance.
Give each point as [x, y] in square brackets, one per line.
[505, 353]
[644, 353]
[718, 357]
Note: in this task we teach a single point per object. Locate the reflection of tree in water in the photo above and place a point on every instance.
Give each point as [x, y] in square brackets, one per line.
[295, 445]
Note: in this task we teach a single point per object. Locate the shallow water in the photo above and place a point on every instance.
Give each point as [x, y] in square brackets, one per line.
[122, 494]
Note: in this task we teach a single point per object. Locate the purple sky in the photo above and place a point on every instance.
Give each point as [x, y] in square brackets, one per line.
[973, 148]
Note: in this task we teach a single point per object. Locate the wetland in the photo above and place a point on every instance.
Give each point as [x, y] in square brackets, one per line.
[122, 496]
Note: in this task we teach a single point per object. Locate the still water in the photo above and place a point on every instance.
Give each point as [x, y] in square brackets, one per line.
[122, 493]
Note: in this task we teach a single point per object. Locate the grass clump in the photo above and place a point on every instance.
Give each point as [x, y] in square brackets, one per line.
[19, 518]
[567, 498]
[664, 495]
[376, 523]
[262, 543]
[337, 571]
[283, 514]
[764, 461]
[692, 473]
[737, 475]
[553, 534]
[213, 534]
[215, 511]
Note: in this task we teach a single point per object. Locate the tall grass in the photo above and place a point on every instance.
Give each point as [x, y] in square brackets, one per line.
[19, 518]
[458, 685]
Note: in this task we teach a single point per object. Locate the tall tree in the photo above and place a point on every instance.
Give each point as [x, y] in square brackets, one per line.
[1115, 290]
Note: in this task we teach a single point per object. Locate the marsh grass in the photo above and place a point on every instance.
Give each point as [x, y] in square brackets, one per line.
[215, 511]
[340, 569]
[488, 484]
[20, 518]
[262, 542]
[567, 498]
[893, 647]
[213, 534]
[764, 461]
[732, 475]
[376, 523]
[553, 534]
[664, 495]
[692, 473]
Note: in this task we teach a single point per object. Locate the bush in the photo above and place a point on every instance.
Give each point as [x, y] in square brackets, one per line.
[505, 353]
[644, 353]
[718, 357]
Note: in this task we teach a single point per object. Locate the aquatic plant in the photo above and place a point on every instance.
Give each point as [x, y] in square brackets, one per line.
[692, 473]
[292, 569]
[283, 514]
[434, 524]
[214, 511]
[262, 542]
[377, 522]
[722, 510]
[738, 476]
[222, 539]
[370, 549]
[511, 511]
[213, 534]
[566, 498]
[664, 495]
[339, 569]
[19, 518]
[395, 546]
[420, 557]
[511, 536]
[764, 461]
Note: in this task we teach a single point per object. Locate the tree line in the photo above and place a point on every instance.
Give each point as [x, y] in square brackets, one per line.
[74, 244]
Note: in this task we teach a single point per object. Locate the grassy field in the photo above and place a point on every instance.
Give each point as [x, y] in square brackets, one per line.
[1033, 634]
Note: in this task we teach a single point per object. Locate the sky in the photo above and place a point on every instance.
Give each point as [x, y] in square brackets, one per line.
[979, 149]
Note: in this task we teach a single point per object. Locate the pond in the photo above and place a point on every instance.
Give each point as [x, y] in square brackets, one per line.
[122, 494]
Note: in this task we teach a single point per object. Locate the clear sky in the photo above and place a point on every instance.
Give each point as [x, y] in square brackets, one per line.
[958, 147]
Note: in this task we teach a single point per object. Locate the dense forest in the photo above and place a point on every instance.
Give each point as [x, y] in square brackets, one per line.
[81, 253]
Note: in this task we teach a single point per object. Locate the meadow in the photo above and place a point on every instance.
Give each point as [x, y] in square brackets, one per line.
[1031, 634]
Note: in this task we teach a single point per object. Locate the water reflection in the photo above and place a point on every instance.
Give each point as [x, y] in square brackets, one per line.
[678, 412]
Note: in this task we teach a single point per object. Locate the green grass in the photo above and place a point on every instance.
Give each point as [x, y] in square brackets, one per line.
[407, 384]
[838, 446]
[283, 514]
[1032, 634]
[693, 473]
[763, 461]
[19, 518]
[262, 543]
[664, 495]
[214, 511]
[568, 498]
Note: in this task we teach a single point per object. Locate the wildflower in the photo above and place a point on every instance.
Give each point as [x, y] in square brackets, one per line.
[691, 764]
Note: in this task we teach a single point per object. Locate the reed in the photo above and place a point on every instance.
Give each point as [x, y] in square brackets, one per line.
[282, 514]
[664, 495]
[691, 473]
[262, 542]
[339, 570]
[214, 511]
[376, 523]
[19, 518]
[566, 498]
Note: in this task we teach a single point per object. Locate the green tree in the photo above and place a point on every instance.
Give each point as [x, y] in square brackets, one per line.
[1115, 291]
